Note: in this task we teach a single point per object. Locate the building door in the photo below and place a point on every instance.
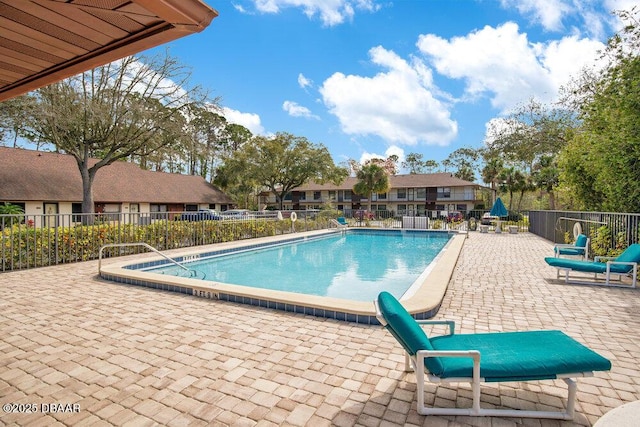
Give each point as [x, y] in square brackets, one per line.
[134, 213]
[50, 215]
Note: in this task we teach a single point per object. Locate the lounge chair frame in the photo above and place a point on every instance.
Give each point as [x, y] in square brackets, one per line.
[558, 247]
[608, 279]
[417, 364]
[341, 222]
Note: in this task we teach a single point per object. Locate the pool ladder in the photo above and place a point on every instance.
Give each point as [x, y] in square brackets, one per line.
[151, 248]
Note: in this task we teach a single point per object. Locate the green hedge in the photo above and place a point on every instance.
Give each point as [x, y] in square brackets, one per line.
[25, 246]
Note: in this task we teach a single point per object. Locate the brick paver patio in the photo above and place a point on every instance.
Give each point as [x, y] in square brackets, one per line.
[122, 355]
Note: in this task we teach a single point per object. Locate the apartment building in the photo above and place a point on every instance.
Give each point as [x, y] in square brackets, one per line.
[414, 194]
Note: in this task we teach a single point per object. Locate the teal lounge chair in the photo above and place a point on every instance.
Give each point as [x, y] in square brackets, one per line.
[624, 264]
[487, 357]
[579, 248]
[340, 222]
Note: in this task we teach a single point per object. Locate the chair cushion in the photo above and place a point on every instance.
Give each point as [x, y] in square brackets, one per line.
[631, 254]
[518, 356]
[584, 266]
[581, 241]
[577, 249]
[406, 330]
[570, 251]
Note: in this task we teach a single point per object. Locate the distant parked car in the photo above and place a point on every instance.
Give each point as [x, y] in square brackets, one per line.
[487, 219]
[201, 215]
[454, 216]
[236, 214]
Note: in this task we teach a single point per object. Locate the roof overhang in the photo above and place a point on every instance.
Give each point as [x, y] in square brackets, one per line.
[44, 41]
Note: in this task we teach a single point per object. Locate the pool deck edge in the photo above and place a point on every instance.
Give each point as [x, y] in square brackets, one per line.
[423, 303]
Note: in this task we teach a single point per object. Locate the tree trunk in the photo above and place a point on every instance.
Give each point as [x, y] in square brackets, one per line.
[87, 176]
[552, 200]
[87, 192]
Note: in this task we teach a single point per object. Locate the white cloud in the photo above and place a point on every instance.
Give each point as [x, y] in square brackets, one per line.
[548, 13]
[296, 110]
[493, 128]
[501, 63]
[331, 12]
[585, 16]
[304, 82]
[249, 120]
[566, 57]
[620, 4]
[393, 149]
[398, 105]
[239, 8]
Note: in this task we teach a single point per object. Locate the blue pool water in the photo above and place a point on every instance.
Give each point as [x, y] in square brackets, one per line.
[356, 265]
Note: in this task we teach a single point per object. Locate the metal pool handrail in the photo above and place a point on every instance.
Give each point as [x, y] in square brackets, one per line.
[113, 245]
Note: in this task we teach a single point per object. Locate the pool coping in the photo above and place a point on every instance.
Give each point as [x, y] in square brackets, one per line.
[423, 303]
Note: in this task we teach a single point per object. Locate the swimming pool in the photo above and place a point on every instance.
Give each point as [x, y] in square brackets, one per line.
[422, 300]
[356, 266]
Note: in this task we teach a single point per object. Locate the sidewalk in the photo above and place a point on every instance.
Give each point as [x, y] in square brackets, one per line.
[109, 354]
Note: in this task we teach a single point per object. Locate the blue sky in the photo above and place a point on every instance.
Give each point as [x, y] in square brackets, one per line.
[373, 78]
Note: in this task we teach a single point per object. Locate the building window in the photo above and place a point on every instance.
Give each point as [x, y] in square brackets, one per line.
[112, 208]
[191, 208]
[317, 195]
[469, 193]
[158, 211]
[444, 192]
[402, 209]
[421, 194]
[332, 195]
[347, 195]
[382, 196]
[402, 194]
[381, 208]
[287, 196]
[76, 209]
[303, 195]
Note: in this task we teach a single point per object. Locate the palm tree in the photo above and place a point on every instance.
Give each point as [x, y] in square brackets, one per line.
[525, 184]
[547, 176]
[371, 178]
[511, 181]
[491, 171]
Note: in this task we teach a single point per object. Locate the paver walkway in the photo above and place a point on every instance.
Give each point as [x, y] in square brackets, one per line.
[122, 355]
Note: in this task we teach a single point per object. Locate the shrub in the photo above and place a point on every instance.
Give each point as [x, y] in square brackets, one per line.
[24, 246]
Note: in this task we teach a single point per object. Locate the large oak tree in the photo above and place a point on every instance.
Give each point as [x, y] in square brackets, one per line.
[278, 164]
[130, 107]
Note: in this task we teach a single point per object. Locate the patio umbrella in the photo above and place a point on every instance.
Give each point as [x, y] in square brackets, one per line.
[499, 211]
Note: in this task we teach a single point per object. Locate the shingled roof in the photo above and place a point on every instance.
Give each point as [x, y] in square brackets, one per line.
[27, 175]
